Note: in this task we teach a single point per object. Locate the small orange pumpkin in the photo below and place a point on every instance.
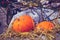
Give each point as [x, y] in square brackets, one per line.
[23, 24]
[45, 26]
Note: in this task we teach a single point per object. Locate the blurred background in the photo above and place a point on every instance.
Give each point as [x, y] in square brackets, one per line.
[8, 8]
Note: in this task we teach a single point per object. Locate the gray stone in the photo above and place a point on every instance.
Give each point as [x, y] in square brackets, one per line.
[3, 19]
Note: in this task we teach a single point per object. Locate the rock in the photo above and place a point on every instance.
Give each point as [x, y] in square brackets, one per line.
[3, 19]
[29, 12]
[50, 14]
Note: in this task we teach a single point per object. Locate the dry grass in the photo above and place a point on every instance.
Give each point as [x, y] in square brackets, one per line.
[33, 35]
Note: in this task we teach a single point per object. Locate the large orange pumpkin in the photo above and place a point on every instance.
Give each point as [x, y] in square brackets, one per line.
[23, 24]
[45, 26]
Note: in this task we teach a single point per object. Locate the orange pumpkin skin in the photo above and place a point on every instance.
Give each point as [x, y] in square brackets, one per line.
[23, 24]
[45, 26]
